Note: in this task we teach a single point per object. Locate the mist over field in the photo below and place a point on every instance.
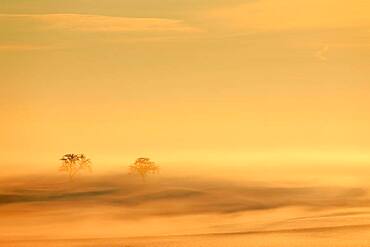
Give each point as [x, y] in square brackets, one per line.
[114, 207]
[172, 123]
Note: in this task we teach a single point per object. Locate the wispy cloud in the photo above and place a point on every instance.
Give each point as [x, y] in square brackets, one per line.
[322, 53]
[24, 47]
[101, 23]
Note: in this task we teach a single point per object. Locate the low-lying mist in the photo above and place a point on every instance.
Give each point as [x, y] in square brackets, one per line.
[125, 205]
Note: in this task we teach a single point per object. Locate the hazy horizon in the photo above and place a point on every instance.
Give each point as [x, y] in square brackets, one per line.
[170, 205]
[254, 112]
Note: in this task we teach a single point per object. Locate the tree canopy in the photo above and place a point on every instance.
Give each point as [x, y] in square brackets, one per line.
[74, 163]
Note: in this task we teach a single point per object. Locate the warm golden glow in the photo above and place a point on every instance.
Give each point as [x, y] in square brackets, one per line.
[257, 113]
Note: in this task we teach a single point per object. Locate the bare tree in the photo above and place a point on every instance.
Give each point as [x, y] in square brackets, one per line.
[143, 167]
[73, 163]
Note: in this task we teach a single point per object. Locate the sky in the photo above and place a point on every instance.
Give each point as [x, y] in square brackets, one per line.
[238, 82]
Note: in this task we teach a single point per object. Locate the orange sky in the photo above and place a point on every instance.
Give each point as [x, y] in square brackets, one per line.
[198, 81]
[256, 112]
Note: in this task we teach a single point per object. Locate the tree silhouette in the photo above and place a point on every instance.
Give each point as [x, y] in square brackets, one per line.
[143, 167]
[73, 163]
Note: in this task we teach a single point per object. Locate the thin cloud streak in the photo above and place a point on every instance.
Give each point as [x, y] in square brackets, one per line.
[101, 23]
[25, 47]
